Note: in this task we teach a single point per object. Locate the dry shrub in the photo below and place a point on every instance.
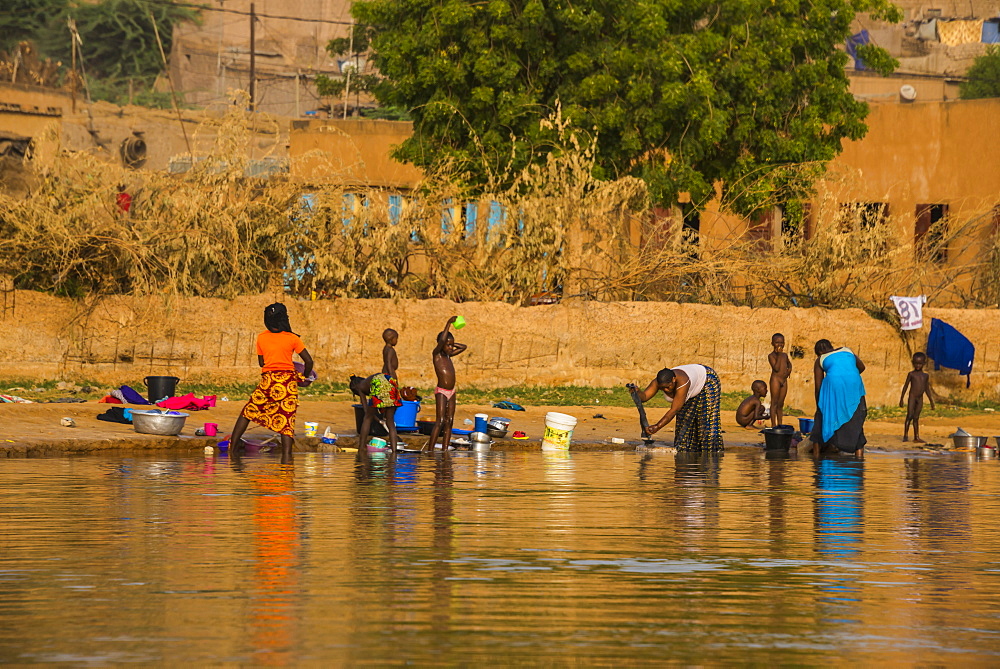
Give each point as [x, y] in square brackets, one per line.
[210, 231]
[215, 232]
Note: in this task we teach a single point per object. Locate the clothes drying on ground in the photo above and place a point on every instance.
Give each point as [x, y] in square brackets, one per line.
[131, 396]
[841, 409]
[187, 402]
[508, 406]
[109, 399]
[121, 415]
[14, 399]
[948, 347]
[911, 311]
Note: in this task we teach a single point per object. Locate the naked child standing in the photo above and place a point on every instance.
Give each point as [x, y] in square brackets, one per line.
[781, 369]
[444, 393]
[919, 385]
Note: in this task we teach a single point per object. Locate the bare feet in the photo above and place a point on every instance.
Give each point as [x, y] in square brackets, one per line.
[918, 440]
[905, 438]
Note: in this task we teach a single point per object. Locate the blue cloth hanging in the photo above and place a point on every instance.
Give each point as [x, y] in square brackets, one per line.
[991, 32]
[853, 42]
[948, 347]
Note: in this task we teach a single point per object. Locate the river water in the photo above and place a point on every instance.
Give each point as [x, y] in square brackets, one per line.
[505, 558]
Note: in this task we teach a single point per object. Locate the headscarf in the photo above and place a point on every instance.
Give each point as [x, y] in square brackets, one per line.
[276, 318]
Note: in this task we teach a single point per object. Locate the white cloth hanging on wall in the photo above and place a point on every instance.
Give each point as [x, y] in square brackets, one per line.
[911, 311]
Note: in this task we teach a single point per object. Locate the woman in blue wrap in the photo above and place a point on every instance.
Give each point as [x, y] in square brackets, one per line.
[840, 400]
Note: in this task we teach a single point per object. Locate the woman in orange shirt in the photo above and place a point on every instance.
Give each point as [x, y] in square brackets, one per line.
[275, 400]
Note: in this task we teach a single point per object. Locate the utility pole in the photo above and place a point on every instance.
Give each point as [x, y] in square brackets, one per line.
[253, 58]
[347, 86]
[72, 48]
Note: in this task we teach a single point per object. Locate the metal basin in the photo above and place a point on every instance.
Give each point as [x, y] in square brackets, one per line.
[480, 441]
[156, 422]
[494, 432]
[962, 441]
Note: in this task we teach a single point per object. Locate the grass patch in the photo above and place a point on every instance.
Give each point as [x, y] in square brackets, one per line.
[898, 413]
[616, 396]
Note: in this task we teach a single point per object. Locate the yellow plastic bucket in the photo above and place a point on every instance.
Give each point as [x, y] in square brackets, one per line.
[558, 431]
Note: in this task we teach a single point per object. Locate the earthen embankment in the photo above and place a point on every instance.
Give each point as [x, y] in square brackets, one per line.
[121, 339]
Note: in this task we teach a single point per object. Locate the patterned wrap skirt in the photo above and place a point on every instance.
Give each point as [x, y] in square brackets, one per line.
[698, 423]
[274, 402]
[385, 392]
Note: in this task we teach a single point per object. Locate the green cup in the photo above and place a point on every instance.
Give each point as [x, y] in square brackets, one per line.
[459, 322]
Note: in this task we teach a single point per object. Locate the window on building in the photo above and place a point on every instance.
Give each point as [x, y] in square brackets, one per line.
[808, 221]
[347, 209]
[863, 215]
[495, 223]
[690, 226]
[447, 218]
[471, 216]
[760, 230]
[929, 232]
[395, 208]
[658, 227]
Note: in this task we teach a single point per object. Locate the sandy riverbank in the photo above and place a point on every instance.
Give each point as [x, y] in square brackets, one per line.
[31, 429]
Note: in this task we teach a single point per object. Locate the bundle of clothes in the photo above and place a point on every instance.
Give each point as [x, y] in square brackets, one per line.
[128, 395]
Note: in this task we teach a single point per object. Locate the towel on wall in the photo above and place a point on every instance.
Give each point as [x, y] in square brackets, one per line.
[927, 31]
[953, 33]
[911, 311]
[948, 347]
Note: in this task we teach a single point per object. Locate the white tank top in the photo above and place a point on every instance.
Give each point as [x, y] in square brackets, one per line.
[696, 379]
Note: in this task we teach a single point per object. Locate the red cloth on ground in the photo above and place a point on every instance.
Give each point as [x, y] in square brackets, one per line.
[187, 402]
[124, 201]
[108, 399]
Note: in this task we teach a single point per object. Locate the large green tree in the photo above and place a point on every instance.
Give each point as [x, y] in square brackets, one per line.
[24, 20]
[983, 77]
[118, 40]
[117, 35]
[686, 93]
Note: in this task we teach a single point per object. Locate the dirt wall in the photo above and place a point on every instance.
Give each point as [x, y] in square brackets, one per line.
[585, 343]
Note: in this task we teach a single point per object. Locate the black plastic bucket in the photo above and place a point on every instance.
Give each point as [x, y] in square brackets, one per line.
[158, 387]
[376, 429]
[777, 439]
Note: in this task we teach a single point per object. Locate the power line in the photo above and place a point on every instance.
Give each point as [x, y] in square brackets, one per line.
[207, 8]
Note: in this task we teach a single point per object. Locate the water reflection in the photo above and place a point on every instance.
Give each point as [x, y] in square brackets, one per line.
[696, 498]
[500, 559]
[274, 589]
[443, 543]
[839, 506]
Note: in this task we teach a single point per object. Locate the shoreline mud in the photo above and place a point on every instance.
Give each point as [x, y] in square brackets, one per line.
[34, 430]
